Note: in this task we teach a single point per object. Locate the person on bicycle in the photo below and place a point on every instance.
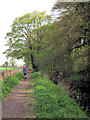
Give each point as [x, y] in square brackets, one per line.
[25, 73]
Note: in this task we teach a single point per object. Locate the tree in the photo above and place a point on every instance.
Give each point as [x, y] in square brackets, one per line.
[5, 64]
[26, 35]
[12, 62]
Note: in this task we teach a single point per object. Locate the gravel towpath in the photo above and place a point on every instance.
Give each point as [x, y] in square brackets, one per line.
[15, 105]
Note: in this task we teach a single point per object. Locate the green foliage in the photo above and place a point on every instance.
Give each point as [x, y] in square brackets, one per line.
[35, 75]
[5, 64]
[64, 50]
[9, 83]
[52, 101]
[24, 39]
[29, 69]
[12, 62]
[80, 81]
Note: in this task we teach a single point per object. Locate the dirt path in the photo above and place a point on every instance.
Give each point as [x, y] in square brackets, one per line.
[17, 103]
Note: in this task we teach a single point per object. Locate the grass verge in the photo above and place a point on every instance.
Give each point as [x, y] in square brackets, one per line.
[52, 101]
[9, 83]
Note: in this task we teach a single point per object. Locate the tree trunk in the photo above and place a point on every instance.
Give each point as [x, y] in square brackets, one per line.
[35, 68]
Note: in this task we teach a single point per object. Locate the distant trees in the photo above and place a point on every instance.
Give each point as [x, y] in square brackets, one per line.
[5, 64]
[11, 63]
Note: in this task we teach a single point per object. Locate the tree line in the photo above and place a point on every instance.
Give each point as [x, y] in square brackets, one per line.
[58, 48]
[10, 63]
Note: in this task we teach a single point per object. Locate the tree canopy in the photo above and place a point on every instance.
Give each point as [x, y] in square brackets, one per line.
[24, 40]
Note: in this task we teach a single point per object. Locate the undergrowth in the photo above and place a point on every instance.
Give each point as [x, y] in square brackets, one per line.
[52, 101]
[9, 83]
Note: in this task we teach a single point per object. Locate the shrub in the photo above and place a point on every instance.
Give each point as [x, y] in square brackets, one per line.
[35, 75]
[29, 69]
[78, 80]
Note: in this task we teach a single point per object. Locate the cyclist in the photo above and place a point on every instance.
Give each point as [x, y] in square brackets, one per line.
[25, 73]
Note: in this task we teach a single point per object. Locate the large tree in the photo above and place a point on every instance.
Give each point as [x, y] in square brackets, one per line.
[25, 37]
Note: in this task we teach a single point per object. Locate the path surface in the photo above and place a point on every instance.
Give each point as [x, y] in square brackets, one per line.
[15, 105]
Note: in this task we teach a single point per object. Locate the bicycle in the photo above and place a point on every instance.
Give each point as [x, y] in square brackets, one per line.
[25, 76]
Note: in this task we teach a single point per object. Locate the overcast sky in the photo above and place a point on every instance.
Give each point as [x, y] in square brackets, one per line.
[10, 9]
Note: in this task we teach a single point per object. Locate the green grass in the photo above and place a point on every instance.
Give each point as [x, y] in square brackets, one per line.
[4, 68]
[52, 101]
[9, 83]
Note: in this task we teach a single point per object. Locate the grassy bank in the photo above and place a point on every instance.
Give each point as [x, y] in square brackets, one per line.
[9, 83]
[52, 101]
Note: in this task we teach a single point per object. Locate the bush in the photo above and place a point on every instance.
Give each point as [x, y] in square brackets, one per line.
[52, 101]
[29, 69]
[35, 75]
[78, 80]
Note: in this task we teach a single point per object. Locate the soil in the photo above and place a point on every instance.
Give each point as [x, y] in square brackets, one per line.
[19, 103]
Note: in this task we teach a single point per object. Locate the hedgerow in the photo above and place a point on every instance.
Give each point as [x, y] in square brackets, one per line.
[52, 101]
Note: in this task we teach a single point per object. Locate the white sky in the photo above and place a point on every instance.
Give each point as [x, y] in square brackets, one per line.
[11, 9]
